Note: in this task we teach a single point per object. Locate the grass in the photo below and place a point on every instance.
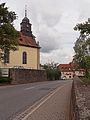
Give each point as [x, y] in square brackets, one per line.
[85, 79]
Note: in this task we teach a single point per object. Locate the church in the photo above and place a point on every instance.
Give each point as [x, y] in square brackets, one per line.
[28, 53]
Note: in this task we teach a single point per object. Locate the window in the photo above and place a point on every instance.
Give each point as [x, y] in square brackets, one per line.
[6, 56]
[69, 76]
[24, 58]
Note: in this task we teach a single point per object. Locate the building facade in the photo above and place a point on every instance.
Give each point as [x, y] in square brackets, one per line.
[68, 71]
[28, 53]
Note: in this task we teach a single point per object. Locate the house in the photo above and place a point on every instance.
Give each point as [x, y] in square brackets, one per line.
[28, 53]
[68, 71]
[79, 72]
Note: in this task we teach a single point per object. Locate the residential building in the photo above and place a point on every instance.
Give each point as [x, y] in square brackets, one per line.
[68, 71]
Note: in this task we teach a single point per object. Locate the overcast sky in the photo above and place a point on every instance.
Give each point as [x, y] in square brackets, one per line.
[52, 24]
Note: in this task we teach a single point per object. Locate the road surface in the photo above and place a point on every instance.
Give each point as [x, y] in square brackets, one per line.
[18, 98]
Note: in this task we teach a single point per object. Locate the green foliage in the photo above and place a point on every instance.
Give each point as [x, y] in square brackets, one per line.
[80, 52]
[5, 15]
[85, 79]
[84, 28]
[8, 37]
[52, 71]
[82, 47]
[8, 34]
[5, 80]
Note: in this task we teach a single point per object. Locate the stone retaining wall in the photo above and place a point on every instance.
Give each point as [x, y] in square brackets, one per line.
[80, 100]
[21, 76]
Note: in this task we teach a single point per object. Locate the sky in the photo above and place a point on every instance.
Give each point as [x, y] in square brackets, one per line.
[52, 24]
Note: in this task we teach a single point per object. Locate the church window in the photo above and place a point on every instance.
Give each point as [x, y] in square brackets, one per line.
[6, 56]
[24, 61]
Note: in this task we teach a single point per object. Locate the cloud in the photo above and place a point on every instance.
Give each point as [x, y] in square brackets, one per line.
[51, 20]
[48, 43]
[49, 40]
[52, 23]
[58, 56]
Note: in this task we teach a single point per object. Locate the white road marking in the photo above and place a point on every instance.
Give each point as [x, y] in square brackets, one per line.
[29, 88]
[43, 101]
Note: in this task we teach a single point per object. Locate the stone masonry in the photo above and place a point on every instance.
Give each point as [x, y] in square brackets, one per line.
[81, 100]
[22, 76]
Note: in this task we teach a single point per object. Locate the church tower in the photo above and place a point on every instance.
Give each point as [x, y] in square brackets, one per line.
[28, 53]
[26, 25]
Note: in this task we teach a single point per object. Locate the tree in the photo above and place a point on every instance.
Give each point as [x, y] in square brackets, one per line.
[53, 73]
[8, 34]
[82, 47]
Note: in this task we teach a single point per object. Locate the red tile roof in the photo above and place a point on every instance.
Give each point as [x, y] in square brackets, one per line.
[27, 41]
[66, 67]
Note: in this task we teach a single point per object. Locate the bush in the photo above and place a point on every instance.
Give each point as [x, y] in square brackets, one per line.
[53, 74]
[85, 79]
[5, 80]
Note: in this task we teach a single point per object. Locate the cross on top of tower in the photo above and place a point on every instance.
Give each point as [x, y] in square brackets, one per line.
[26, 25]
[25, 10]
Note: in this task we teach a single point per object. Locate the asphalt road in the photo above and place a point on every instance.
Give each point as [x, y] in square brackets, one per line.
[16, 99]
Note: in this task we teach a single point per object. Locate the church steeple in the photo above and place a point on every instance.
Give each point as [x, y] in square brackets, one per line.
[25, 10]
[26, 25]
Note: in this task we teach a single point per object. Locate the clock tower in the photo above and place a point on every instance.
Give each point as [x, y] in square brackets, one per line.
[26, 26]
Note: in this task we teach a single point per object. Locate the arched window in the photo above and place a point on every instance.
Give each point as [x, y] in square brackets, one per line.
[24, 58]
[6, 56]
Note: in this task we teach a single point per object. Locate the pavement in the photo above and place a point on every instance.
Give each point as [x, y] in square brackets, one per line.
[18, 99]
[56, 106]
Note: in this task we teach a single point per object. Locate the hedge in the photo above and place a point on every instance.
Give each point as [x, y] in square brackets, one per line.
[5, 80]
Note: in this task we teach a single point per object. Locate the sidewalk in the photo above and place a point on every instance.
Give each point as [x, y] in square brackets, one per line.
[55, 107]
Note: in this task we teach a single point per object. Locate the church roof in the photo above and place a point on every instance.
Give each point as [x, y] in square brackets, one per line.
[25, 19]
[26, 37]
[27, 41]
